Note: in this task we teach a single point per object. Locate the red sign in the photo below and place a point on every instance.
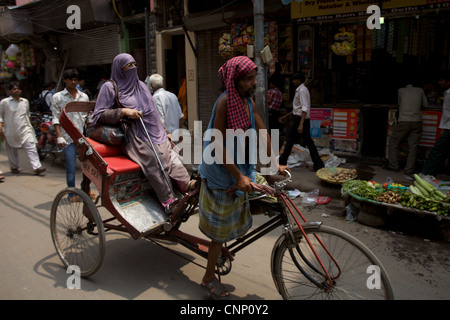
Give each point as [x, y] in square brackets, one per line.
[345, 124]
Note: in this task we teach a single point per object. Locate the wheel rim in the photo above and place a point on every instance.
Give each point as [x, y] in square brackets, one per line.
[355, 280]
[78, 240]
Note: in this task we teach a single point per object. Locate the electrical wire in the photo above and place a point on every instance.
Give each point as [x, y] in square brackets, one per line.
[115, 10]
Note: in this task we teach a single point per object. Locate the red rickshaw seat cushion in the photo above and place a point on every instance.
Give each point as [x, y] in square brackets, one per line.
[118, 165]
[104, 150]
[117, 162]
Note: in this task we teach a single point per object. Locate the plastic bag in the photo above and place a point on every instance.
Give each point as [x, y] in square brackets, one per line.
[351, 212]
[311, 197]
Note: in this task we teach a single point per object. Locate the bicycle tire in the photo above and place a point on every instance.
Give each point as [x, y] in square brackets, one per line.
[77, 231]
[361, 276]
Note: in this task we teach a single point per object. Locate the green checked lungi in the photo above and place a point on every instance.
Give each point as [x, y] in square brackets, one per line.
[223, 217]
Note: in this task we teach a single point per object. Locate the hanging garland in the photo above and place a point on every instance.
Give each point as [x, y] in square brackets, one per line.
[344, 43]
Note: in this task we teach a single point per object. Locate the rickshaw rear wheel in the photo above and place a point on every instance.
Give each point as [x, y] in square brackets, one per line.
[77, 231]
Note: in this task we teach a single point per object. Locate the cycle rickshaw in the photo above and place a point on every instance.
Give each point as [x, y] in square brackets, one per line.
[308, 261]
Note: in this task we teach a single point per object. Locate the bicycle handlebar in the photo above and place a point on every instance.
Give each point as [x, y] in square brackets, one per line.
[281, 184]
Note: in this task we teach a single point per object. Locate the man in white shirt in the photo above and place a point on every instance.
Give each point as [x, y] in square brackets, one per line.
[60, 99]
[16, 130]
[167, 104]
[410, 101]
[441, 150]
[301, 126]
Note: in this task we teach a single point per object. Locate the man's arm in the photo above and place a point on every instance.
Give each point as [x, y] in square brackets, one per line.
[424, 100]
[56, 111]
[305, 105]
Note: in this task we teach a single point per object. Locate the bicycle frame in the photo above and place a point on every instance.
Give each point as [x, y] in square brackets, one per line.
[200, 246]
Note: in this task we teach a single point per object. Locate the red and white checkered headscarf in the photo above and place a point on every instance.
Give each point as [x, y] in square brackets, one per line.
[233, 69]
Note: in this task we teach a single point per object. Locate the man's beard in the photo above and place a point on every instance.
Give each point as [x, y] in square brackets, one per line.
[250, 93]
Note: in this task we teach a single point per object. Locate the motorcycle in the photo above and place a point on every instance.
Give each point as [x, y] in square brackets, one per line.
[47, 139]
[36, 120]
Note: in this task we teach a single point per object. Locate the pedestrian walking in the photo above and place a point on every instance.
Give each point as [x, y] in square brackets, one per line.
[410, 101]
[167, 104]
[60, 99]
[16, 130]
[301, 126]
[2, 177]
[441, 150]
[45, 98]
[274, 102]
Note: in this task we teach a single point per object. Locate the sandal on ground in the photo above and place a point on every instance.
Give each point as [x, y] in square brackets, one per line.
[322, 200]
[216, 290]
[92, 195]
[2, 178]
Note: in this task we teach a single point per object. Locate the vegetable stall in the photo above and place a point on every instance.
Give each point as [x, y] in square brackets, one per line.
[421, 197]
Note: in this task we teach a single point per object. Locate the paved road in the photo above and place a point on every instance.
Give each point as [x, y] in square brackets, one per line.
[138, 269]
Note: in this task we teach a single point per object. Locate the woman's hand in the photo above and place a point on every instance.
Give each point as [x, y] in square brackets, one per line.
[131, 113]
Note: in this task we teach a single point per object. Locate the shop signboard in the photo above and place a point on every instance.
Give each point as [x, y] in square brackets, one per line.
[321, 126]
[318, 10]
[345, 136]
[345, 124]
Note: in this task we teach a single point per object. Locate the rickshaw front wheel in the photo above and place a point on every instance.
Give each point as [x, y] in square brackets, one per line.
[77, 231]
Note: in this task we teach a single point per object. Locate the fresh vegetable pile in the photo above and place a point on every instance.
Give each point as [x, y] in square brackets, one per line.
[424, 196]
[421, 195]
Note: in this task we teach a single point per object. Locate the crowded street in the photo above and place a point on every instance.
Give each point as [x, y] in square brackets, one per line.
[243, 150]
[419, 267]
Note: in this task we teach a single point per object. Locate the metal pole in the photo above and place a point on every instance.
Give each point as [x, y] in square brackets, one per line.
[157, 157]
[261, 92]
[147, 46]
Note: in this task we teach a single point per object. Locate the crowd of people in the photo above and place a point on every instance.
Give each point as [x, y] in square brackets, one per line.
[224, 212]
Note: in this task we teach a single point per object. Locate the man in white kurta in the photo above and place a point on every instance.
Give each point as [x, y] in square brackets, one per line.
[16, 130]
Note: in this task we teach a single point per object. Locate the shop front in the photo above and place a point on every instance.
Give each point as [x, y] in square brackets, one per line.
[355, 71]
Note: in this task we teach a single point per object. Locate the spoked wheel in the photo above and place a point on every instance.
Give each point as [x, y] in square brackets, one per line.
[354, 270]
[77, 231]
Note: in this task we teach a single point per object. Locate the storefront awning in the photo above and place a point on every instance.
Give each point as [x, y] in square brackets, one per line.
[42, 16]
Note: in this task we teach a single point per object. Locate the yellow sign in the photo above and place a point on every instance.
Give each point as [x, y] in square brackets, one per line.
[344, 8]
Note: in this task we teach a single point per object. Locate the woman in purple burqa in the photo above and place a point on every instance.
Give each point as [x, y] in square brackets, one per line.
[136, 101]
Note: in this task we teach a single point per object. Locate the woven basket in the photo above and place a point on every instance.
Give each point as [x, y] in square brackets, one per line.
[325, 174]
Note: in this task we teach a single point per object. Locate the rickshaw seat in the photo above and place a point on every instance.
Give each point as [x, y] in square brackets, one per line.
[118, 163]
[104, 150]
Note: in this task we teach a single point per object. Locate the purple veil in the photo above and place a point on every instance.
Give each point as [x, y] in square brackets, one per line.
[133, 94]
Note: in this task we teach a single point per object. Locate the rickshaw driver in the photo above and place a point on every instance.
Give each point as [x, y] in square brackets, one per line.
[137, 102]
[224, 212]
